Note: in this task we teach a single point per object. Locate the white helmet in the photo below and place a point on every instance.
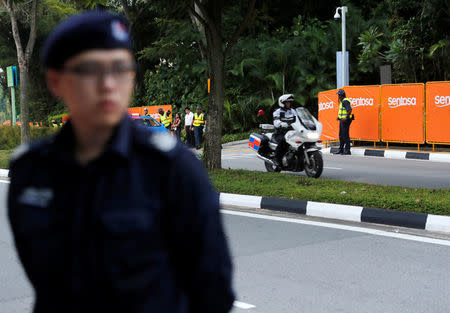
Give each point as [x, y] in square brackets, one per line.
[284, 98]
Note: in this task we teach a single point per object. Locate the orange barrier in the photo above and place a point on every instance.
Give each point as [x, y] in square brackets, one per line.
[402, 113]
[328, 112]
[438, 112]
[365, 102]
[152, 111]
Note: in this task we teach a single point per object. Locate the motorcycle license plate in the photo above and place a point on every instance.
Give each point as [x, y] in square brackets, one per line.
[254, 143]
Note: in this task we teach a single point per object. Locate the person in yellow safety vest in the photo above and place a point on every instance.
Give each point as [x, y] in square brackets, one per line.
[146, 112]
[168, 121]
[198, 124]
[164, 118]
[345, 118]
[54, 124]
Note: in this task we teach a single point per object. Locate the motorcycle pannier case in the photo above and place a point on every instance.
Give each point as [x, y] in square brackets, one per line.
[257, 140]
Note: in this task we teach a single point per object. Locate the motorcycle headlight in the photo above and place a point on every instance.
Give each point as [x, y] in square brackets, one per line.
[312, 136]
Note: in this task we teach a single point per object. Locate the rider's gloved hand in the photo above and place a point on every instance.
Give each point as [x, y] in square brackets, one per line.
[284, 125]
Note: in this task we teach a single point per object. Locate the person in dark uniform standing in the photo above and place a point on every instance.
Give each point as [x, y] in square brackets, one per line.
[345, 118]
[94, 221]
[283, 117]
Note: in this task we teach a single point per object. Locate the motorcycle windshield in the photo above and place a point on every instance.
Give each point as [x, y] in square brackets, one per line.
[306, 118]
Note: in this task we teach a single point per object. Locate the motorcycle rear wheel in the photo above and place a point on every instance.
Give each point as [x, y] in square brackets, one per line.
[316, 165]
[271, 168]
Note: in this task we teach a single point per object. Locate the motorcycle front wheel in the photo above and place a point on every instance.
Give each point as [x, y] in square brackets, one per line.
[271, 168]
[315, 167]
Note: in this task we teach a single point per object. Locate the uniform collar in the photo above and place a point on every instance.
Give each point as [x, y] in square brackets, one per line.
[118, 145]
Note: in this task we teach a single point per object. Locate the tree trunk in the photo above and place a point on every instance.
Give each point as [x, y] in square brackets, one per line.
[210, 15]
[24, 108]
[213, 135]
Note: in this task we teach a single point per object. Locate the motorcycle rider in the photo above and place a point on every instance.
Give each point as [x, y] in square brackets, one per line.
[283, 117]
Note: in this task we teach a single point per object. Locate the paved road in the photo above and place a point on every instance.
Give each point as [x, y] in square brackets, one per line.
[16, 295]
[298, 265]
[372, 170]
[286, 267]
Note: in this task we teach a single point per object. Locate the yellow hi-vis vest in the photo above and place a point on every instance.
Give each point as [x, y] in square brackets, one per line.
[198, 120]
[342, 111]
[165, 119]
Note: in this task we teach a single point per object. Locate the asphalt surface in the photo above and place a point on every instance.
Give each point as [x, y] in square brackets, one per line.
[283, 266]
[371, 170]
[16, 295]
[295, 264]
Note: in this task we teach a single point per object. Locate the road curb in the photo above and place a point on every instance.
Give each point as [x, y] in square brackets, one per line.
[234, 143]
[392, 154]
[425, 221]
[4, 173]
[341, 212]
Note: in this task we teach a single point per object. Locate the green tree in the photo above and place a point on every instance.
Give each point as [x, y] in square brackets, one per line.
[210, 15]
[14, 9]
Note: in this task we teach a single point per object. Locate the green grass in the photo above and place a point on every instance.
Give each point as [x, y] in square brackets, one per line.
[433, 201]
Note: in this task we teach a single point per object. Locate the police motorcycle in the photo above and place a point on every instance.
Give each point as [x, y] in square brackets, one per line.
[302, 155]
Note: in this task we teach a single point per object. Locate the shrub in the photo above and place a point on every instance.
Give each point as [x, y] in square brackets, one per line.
[10, 135]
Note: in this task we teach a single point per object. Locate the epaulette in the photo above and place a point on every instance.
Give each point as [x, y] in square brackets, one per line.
[162, 141]
[20, 151]
[26, 149]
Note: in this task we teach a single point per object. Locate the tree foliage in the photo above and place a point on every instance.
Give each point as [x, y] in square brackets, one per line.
[289, 47]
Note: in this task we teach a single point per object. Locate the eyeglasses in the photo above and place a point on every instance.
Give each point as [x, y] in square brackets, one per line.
[95, 73]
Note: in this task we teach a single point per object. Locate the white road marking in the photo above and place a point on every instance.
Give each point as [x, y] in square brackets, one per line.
[333, 168]
[342, 227]
[243, 305]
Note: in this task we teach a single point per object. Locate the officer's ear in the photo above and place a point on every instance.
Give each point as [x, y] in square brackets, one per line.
[53, 78]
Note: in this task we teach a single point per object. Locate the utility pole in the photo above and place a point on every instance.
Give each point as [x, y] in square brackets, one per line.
[344, 10]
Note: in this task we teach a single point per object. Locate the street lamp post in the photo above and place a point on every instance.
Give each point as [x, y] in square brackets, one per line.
[344, 10]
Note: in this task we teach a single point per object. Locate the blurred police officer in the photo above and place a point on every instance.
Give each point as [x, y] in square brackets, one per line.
[345, 118]
[93, 221]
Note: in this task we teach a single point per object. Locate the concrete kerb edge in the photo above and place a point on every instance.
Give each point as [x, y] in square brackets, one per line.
[428, 222]
[4, 172]
[415, 220]
[234, 143]
[393, 154]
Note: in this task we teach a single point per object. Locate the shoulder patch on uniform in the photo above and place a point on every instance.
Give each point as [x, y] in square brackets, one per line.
[20, 151]
[163, 141]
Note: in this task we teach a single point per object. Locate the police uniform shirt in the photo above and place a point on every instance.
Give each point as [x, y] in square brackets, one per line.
[118, 234]
[283, 115]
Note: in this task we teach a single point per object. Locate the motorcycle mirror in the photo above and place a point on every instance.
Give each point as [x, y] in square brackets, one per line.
[260, 113]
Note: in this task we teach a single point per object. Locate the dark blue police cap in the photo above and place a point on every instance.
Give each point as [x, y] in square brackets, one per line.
[85, 31]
